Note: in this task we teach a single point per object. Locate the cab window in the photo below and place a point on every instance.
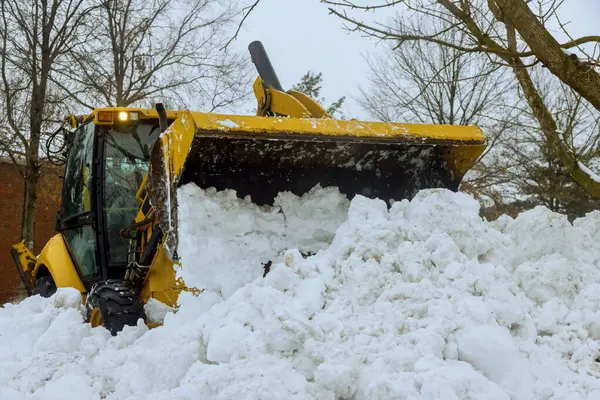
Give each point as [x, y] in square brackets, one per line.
[78, 232]
[78, 173]
[126, 159]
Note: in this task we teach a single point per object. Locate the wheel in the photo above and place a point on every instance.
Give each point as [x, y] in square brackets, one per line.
[114, 304]
[44, 286]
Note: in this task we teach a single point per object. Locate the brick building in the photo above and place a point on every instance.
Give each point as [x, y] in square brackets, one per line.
[11, 203]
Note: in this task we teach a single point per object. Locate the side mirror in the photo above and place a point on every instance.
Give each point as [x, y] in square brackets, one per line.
[68, 137]
[162, 117]
[57, 226]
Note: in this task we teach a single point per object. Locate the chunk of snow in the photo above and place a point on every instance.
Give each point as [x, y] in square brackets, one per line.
[228, 123]
[156, 311]
[491, 350]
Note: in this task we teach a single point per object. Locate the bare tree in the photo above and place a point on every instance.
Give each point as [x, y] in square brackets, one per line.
[434, 84]
[428, 83]
[533, 167]
[510, 34]
[162, 49]
[34, 36]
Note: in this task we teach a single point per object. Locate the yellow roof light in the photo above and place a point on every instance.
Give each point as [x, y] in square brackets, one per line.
[123, 116]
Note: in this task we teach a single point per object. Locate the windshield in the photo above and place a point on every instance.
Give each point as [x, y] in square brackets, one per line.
[126, 154]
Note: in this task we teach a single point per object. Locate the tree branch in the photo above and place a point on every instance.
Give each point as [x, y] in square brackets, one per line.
[239, 27]
[583, 79]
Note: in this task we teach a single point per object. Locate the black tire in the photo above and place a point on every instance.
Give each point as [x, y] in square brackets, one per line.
[44, 286]
[119, 303]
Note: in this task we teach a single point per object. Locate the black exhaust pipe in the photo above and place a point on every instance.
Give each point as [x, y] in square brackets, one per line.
[162, 117]
[263, 65]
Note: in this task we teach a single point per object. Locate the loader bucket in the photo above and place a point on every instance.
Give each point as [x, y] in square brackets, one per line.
[262, 156]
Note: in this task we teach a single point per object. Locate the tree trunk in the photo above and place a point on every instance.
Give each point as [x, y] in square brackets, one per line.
[30, 196]
[583, 79]
[32, 171]
[38, 98]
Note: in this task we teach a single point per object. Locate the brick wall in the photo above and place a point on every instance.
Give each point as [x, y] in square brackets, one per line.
[11, 203]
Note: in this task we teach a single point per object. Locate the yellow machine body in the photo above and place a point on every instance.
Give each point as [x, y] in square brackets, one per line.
[54, 260]
[291, 144]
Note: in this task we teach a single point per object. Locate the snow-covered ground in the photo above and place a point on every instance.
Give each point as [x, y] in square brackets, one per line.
[424, 300]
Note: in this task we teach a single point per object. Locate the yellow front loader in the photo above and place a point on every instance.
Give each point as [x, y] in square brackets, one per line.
[118, 224]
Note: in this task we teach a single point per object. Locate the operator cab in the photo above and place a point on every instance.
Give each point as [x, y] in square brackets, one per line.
[108, 159]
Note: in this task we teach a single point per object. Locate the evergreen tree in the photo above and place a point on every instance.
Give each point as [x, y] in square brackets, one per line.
[310, 85]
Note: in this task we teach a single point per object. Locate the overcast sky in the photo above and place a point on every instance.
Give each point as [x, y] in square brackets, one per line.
[300, 35]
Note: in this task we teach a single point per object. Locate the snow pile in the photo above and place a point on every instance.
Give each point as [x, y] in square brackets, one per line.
[226, 241]
[424, 300]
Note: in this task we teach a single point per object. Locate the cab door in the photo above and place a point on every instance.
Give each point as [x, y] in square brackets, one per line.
[77, 220]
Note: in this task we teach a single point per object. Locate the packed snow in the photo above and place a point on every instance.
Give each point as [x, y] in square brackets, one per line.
[423, 300]
[226, 241]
